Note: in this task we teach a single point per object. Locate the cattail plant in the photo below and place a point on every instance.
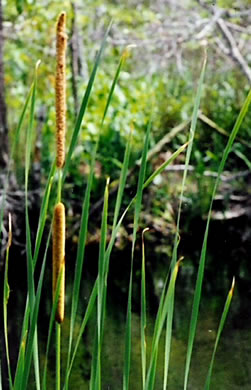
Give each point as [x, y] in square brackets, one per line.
[58, 245]
[28, 348]
[60, 88]
[59, 210]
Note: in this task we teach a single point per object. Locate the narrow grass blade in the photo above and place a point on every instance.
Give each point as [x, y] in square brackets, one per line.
[95, 382]
[167, 307]
[80, 253]
[122, 181]
[30, 128]
[140, 186]
[168, 339]
[157, 172]
[101, 288]
[168, 336]
[188, 155]
[58, 356]
[107, 254]
[88, 312]
[31, 288]
[243, 158]
[221, 326]
[84, 220]
[51, 323]
[6, 293]
[42, 218]
[114, 82]
[43, 213]
[30, 268]
[91, 303]
[128, 337]
[33, 325]
[163, 166]
[84, 104]
[115, 230]
[86, 203]
[138, 201]
[120, 193]
[20, 366]
[143, 313]
[12, 153]
[200, 275]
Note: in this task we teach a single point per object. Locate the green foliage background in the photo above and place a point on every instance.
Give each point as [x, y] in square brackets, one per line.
[143, 85]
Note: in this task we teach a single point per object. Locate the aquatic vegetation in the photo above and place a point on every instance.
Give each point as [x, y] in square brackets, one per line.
[96, 305]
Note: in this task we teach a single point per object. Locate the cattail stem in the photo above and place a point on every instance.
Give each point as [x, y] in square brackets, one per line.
[60, 88]
[58, 359]
[59, 186]
[58, 255]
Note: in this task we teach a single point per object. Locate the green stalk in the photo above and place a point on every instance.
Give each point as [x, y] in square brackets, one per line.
[200, 275]
[168, 340]
[101, 287]
[221, 326]
[41, 225]
[59, 192]
[28, 352]
[6, 293]
[188, 155]
[84, 223]
[88, 312]
[167, 308]
[91, 302]
[51, 324]
[30, 267]
[31, 288]
[95, 382]
[84, 104]
[138, 201]
[58, 355]
[43, 213]
[12, 152]
[143, 313]
[107, 254]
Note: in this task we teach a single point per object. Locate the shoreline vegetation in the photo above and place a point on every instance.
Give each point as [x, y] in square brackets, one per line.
[29, 356]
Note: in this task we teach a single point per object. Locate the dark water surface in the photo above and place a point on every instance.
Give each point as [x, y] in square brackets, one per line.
[232, 368]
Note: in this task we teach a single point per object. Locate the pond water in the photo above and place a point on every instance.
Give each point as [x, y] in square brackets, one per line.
[232, 368]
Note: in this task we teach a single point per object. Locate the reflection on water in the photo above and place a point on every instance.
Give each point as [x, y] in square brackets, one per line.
[232, 369]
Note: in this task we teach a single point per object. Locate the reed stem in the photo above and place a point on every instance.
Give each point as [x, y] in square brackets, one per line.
[58, 355]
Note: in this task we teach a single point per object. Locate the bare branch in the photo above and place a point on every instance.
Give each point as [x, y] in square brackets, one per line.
[235, 53]
[238, 28]
[208, 28]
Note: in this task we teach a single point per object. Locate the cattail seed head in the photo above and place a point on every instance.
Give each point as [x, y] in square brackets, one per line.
[58, 258]
[60, 88]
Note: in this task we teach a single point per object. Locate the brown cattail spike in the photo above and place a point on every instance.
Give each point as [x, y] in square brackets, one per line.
[58, 258]
[61, 89]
